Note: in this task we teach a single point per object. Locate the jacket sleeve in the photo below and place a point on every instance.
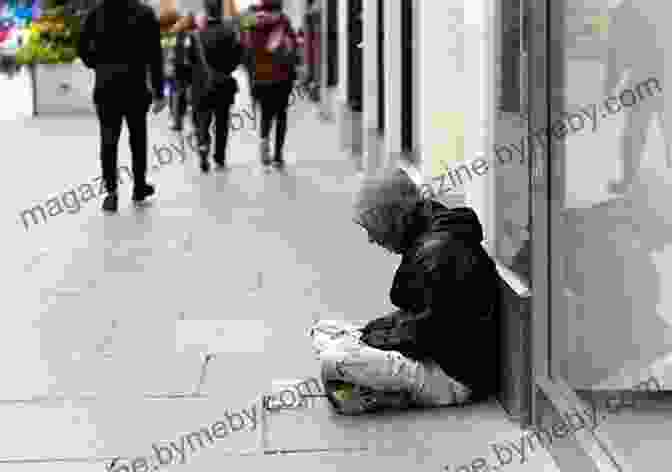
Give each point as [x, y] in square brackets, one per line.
[85, 46]
[194, 57]
[408, 291]
[156, 56]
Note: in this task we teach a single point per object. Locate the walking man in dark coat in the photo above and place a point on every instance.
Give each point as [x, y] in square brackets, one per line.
[121, 40]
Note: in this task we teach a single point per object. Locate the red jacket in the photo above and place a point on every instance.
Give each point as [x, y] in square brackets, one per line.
[265, 69]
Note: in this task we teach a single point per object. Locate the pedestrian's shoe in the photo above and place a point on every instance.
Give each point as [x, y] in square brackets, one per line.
[111, 202]
[143, 191]
[177, 127]
[278, 162]
[220, 159]
[264, 152]
[204, 152]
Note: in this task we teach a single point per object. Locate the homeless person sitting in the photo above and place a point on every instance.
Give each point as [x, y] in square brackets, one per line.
[440, 346]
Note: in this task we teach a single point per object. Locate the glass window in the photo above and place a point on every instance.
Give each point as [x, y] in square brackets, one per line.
[610, 223]
[511, 153]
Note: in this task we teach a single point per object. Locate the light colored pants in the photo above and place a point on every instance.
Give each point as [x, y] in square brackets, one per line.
[346, 358]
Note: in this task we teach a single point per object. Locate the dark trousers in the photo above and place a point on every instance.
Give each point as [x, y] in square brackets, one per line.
[111, 116]
[178, 96]
[178, 102]
[274, 102]
[217, 106]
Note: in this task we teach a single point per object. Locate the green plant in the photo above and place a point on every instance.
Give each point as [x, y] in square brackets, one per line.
[248, 22]
[48, 4]
[52, 40]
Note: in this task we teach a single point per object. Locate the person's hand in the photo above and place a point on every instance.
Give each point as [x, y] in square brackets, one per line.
[386, 322]
[159, 105]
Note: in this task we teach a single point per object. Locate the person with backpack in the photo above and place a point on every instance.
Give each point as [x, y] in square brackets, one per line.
[246, 22]
[272, 42]
[179, 97]
[214, 53]
[121, 40]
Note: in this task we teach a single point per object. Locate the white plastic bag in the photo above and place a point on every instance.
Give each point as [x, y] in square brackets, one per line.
[328, 334]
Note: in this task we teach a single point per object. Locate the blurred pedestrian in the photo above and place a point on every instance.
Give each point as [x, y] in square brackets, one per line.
[178, 96]
[214, 54]
[248, 15]
[182, 71]
[121, 61]
[273, 44]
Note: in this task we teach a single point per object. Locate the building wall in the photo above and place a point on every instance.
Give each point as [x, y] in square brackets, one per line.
[453, 93]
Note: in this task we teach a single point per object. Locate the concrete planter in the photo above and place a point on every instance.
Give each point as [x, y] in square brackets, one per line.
[62, 89]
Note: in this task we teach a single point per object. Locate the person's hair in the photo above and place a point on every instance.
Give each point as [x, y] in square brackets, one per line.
[271, 5]
[388, 188]
[213, 8]
[392, 196]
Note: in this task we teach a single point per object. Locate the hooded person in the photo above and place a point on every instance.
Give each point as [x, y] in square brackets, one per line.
[214, 53]
[246, 22]
[179, 97]
[272, 60]
[121, 91]
[445, 289]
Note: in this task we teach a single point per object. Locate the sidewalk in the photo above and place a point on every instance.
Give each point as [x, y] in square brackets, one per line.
[110, 309]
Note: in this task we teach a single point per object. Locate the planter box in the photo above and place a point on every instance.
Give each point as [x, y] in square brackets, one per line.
[62, 88]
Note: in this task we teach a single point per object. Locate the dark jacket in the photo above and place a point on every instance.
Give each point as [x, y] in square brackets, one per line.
[121, 40]
[182, 66]
[446, 270]
[223, 54]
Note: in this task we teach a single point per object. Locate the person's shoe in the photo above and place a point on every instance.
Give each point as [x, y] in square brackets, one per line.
[204, 153]
[142, 192]
[176, 127]
[352, 400]
[111, 203]
[278, 162]
[221, 164]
